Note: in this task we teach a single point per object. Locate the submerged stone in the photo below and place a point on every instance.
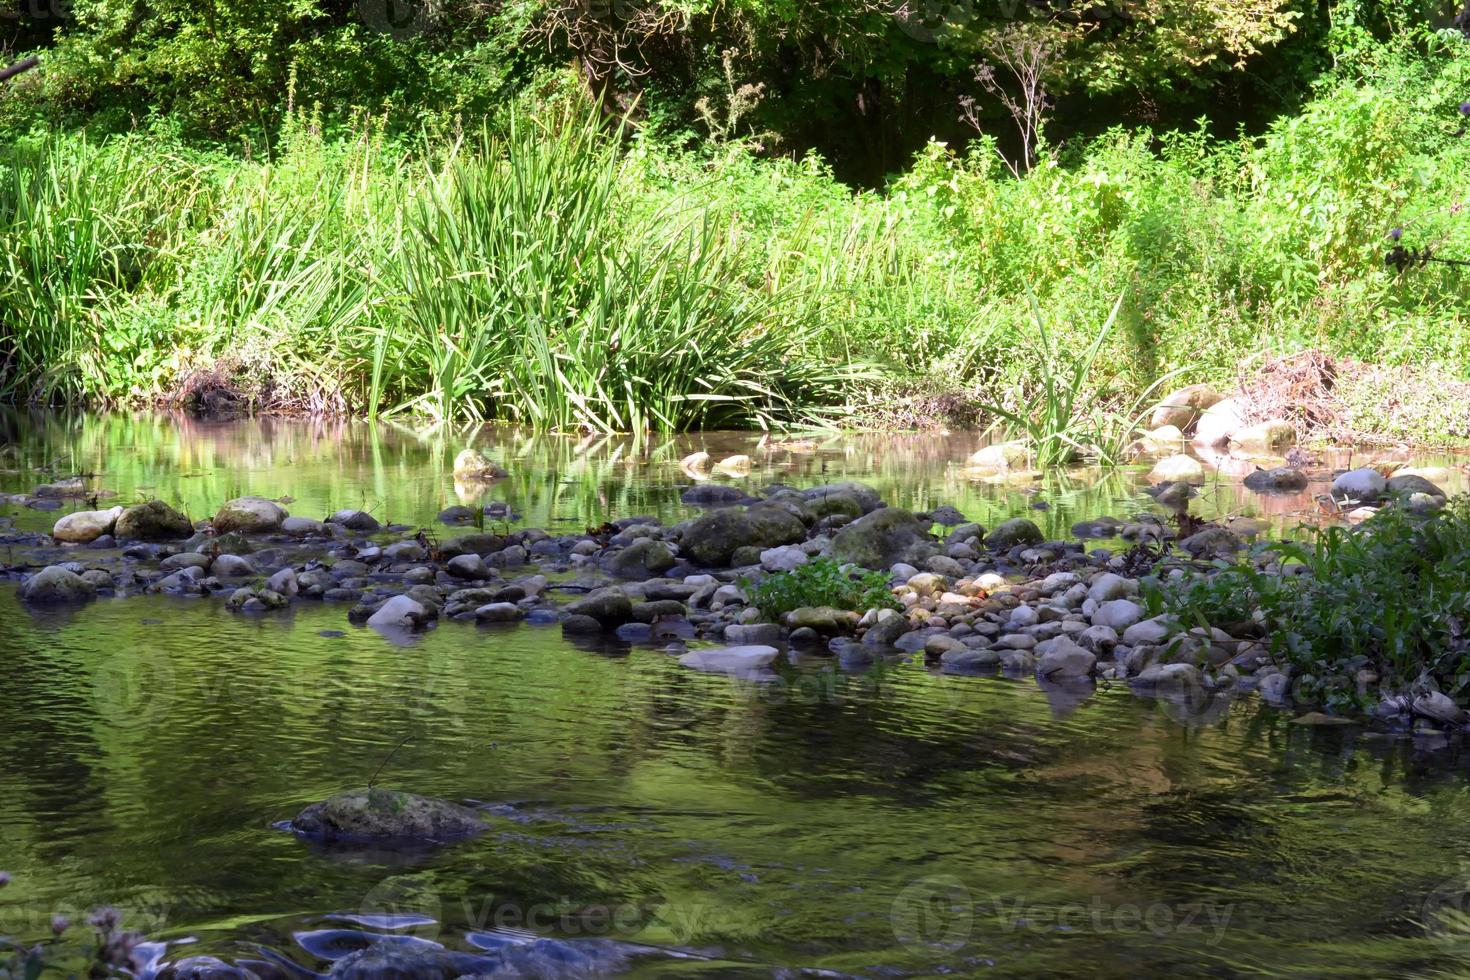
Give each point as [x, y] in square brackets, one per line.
[380, 815]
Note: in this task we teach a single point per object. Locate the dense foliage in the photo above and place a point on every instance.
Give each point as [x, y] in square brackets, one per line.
[821, 582]
[1387, 596]
[394, 208]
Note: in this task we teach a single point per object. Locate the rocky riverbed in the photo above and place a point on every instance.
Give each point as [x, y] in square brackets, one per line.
[967, 598]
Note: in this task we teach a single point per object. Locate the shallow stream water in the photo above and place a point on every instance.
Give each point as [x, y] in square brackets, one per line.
[897, 822]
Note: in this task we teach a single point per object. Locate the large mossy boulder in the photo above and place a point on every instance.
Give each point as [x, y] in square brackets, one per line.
[884, 538]
[384, 815]
[712, 539]
[644, 558]
[56, 586]
[152, 521]
[249, 515]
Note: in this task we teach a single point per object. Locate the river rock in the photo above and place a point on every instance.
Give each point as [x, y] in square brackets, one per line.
[1001, 456]
[884, 538]
[384, 816]
[1439, 707]
[400, 612]
[249, 515]
[203, 968]
[56, 586]
[1281, 479]
[786, 558]
[470, 567]
[713, 495]
[823, 619]
[1219, 422]
[472, 465]
[1149, 632]
[713, 538]
[643, 559]
[1009, 534]
[1212, 541]
[355, 520]
[153, 520]
[1062, 659]
[886, 631]
[1363, 485]
[610, 607]
[231, 566]
[695, 464]
[1169, 679]
[735, 660]
[1272, 437]
[500, 612]
[303, 527]
[1419, 493]
[1183, 408]
[85, 526]
[1178, 467]
[284, 582]
[819, 498]
[1108, 586]
[187, 559]
[1118, 614]
[737, 465]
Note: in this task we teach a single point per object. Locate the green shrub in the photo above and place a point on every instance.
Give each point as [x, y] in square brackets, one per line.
[821, 582]
[1388, 595]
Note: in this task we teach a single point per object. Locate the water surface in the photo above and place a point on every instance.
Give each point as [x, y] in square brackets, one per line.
[897, 822]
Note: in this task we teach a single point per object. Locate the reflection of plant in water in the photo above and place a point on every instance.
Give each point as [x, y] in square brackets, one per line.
[110, 954]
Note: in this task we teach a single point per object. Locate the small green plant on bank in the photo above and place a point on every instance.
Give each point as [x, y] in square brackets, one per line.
[821, 582]
[1391, 595]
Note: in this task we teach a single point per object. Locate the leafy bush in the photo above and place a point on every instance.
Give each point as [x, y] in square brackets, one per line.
[1389, 595]
[821, 582]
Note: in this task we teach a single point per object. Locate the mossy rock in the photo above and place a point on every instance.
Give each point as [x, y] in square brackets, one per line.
[152, 521]
[385, 815]
[1009, 534]
[712, 539]
[249, 515]
[884, 538]
[472, 465]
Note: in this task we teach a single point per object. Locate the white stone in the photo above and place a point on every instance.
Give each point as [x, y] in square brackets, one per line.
[1363, 486]
[85, 525]
[1179, 467]
[399, 612]
[1118, 614]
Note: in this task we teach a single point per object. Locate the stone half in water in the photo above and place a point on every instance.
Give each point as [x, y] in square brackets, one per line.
[387, 816]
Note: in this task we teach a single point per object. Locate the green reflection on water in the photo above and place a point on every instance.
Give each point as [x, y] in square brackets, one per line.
[892, 820]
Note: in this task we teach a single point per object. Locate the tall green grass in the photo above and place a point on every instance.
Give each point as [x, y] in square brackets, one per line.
[526, 289]
[563, 276]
